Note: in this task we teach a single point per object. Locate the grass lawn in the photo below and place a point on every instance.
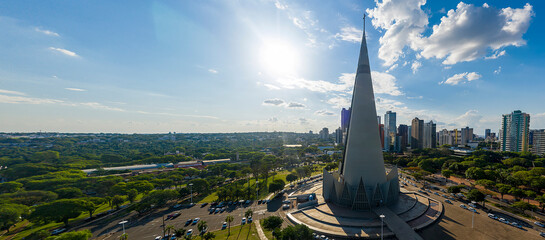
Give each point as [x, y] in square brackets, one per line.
[244, 232]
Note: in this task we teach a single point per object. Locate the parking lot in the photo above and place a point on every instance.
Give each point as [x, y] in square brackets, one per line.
[462, 223]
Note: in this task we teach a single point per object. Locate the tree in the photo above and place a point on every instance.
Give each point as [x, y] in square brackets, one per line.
[75, 235]
[200, 185]
[209, 236]
[446, 173]
[530, 194]
[541, 200]
[517, 193]
[59, 210]
[93, 203]
[455, 189]
[523, 205]
[124, 236]
[476, 195]
[10, 214]
[503, 189]
[291, 177]
[131, 195]
[486, 183]
[29, 198]
[229, 219]
[142, 186]
[69, 192]
[475, 173]
[10, 187]
[180, 232]
[272, 222]
[201, 227]
[117, 200]
[297, 232]
[276, 185]
[169, 228]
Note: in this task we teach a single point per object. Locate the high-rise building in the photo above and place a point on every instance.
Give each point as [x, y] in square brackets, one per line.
[324, 134]
[515, 132]
[345, 119]
[538, 146]
[417, 133]
[381, 134]
[389, 131]
[429, 140]
[486, 133]
[339, 136]
[378, 119]
[403, 133]
[467, 135]
[362, 182]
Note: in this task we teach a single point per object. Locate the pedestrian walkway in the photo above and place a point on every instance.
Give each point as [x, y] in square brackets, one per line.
[260, 231]
[401, 229]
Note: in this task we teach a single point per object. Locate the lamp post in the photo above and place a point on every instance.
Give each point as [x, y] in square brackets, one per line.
[472, 219]
[123, 223]
[191, 189]
[257, 190]
[382, 226]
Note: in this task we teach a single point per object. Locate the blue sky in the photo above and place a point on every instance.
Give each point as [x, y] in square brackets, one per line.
[238, 66]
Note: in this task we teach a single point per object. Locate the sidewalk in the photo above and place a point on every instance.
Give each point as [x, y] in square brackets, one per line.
[260, 231]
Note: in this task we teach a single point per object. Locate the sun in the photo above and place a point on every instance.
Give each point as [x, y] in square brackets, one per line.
[279, 57]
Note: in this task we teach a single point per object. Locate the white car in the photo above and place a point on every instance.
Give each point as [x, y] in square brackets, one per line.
[189, 232]
[463, 206]
[539, 224]
[196, 220]
[224, 225]
[243, 220]
[285, 206]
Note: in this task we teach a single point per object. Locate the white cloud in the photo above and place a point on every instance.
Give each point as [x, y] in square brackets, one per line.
[214, 71]
[76, 89]
[100, 106]
[26, 100]
[392, 68]
[385, 83]
[419, 97]
[462, 78]
[467, 33]
[340, 102]
[415, 66]
[11, 92]
[274, 102]
[497, 71]
[350, 34]
[47, 32]
[280, 6]
[271, 87]
[64, 51]
[324, 113]
[403, 20]
[496, 54]
[296, 105]
[470, 118]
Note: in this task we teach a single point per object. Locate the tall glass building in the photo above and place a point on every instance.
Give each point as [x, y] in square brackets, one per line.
[515, 129]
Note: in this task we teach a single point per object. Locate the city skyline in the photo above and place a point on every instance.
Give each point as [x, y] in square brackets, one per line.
[264, 66]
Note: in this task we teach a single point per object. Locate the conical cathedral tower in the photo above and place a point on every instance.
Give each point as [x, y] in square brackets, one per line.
[362, 181]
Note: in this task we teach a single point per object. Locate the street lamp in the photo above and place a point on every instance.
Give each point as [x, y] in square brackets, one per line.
[382, 226]
[123, 223]
[191, 189]
[257, 190]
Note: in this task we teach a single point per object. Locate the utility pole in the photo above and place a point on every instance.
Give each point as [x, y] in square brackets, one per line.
[191, 189]
[382, 227]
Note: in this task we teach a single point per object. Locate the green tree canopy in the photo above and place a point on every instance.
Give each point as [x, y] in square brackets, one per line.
[59, 210]
[11, 214]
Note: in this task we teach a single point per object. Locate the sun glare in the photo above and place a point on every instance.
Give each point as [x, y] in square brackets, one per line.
[279, 58]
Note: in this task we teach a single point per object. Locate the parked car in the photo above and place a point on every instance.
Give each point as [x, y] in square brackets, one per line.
[285, 206]
[196, 220]
[448, 201]
[224, 225]
[249, 219]
[243, 221]
[189, 232]
[539, 224]
[58, 231]
[463, 206]
[204, 204]
[175, 215]
[188, 221]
